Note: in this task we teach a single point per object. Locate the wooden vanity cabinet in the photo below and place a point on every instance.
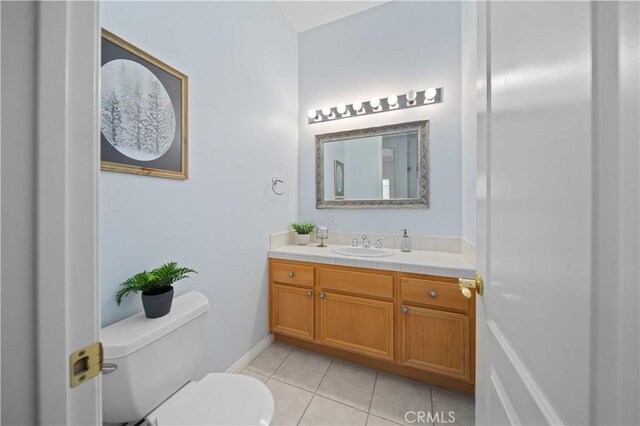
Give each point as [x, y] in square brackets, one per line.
[435, 341]
[292, 311]
[435, 326]
[356, 311]
[291, 302]
[357, 324]
[414, 325]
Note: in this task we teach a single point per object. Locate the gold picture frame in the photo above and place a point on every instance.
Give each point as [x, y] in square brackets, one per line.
[180, 168]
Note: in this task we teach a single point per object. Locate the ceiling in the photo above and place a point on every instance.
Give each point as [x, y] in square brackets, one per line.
[304, 15]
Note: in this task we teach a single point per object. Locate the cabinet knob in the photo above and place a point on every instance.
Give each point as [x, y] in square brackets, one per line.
[405, 309]
[322, 296]
[433, 294]
[292, 274]
[309, 293]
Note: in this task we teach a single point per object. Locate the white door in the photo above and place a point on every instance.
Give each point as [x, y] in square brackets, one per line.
[543, 176]
[67, 237]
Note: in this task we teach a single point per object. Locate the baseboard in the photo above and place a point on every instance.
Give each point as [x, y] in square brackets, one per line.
[242, 363]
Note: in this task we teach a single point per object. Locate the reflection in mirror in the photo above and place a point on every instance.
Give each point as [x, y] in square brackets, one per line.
[375, 167]
[338, 179]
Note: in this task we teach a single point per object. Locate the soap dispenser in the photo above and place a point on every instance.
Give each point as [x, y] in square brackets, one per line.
[405, 242]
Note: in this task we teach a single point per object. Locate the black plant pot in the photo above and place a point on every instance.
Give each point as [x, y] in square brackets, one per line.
[157, 303]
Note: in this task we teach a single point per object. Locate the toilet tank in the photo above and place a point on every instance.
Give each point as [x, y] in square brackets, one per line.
[154, 357]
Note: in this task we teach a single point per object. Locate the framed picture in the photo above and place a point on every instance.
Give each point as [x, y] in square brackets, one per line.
[143, 125]
[338, 179]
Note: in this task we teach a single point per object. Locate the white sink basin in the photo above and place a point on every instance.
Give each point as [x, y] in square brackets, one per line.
[362, 252]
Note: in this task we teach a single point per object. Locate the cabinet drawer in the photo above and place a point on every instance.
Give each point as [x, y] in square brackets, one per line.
[433, 293]
[288, 273]
[362, 283]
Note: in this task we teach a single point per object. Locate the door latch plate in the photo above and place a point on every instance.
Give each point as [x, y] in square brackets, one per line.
[85, 364]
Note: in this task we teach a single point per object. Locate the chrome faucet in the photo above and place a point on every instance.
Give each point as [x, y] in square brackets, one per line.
[354, 242]
[379, 242]
[365, 242]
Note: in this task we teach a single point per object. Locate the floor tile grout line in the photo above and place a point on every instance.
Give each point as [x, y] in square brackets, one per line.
[341, 403]
[371, 402]
[248, 367]
[315, 392]
[283, 361]
[322, 396]
[384, 418]
[335, 400]
[305, 409]
[431, 398]
[292, 385]
[375, 382]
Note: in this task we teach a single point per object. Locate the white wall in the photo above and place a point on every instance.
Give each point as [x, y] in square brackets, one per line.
[388, 49]
[19, 42]
[241, 59]
[469, 57]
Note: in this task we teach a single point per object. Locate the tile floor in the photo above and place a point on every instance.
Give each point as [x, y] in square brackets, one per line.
[314, 389]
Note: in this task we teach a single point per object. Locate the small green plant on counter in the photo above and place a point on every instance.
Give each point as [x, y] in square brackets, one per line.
[303, 228]
[154, 281]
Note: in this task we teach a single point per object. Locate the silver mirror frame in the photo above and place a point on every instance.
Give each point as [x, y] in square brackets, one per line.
[422, 201]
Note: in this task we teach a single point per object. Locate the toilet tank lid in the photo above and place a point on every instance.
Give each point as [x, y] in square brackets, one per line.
[127, 336]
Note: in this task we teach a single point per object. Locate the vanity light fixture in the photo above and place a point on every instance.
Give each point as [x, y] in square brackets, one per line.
[327, 112]
[410, 99]
[430, 95]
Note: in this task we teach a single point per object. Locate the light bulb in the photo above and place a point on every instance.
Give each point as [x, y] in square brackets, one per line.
[341, 109]
[392, 99]
[374, 102]
[430, 94]
[312, 114]
[357, 105]
[326, 111]
[411, 95]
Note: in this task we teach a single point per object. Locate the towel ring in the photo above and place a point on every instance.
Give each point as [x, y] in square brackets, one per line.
[274, 182]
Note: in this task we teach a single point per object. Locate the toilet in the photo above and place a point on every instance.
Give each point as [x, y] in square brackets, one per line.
[149, 366]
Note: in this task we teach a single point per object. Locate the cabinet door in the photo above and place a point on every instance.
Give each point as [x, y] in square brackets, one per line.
[356, 324]
[435, 341]
[292, 311]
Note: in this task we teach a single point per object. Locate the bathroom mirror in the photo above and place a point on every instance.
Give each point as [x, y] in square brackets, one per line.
[376, 167]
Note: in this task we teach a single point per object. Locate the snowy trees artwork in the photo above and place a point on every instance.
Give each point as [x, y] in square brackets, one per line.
[138, 118]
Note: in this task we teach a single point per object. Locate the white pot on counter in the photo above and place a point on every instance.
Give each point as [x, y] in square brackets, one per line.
[303, 239]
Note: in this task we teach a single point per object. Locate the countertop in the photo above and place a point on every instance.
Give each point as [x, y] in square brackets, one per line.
[416, 261]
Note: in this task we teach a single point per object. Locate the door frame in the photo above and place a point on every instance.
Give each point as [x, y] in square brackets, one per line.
[68, 309]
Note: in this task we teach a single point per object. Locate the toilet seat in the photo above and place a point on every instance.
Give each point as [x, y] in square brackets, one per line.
[217, 399]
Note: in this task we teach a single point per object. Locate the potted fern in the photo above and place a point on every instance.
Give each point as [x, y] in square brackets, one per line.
[156, 288]
[303, 229]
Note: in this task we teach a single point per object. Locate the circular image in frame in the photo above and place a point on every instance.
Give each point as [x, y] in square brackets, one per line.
[137, 116]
